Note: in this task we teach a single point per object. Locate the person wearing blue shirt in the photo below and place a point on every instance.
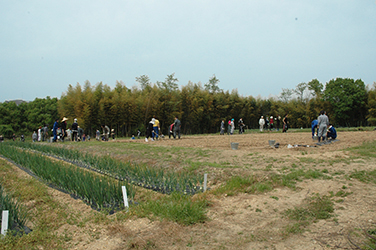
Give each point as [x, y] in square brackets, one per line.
[54, 130]
[332, 133]
[314, 126]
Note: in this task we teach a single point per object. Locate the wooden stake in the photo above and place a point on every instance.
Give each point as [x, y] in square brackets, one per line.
[4, 222]
[125, 196]
[205, 181]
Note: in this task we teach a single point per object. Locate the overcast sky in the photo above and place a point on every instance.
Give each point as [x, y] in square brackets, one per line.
[256, 47]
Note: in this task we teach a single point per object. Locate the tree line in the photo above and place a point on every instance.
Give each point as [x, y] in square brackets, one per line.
[200, 107]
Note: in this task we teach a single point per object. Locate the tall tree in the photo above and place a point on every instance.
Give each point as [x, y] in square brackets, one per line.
[348, 99]
[212, 85]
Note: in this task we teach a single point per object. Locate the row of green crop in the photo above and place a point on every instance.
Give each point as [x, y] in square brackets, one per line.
[17, 213]
[97, 190]
[158, 180]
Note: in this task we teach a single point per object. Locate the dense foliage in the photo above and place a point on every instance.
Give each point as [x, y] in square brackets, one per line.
[200, 108]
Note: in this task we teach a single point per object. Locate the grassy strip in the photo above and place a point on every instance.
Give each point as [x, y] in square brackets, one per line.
[367, 149]
[45, 214]
[364, 176]
[158, 180]
[316, 208]
[253, 184]
[98, 191]
[17, 212]
[176, 207]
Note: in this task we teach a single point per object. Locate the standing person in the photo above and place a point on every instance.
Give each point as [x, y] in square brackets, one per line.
[314, 127]
[149, 130]
[63, 128]
[74, 130]
[40, 133]
[261, 123]
[285, 123]
[106, 132]
[177, 127]
[332, 133]
[271, 122]
[278, 122]
[98, 135]
[34, 137]
[323, 123]
[241, 125]
[113, 134]
[156, 128]
[171, 131]
[14, 137]
[229, 127]
[232, 126]
[69, 134]
[45, 132]
[54, 130]
[80, 133]
[222, 128]
[138, 133]
[267, 123]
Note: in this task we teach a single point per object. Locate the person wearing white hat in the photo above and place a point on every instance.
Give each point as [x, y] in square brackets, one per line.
[63, 128]
[271, 122]
[149, 130]
[74, 130]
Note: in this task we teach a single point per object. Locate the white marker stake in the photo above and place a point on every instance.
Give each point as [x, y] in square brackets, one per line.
[125, 196]
[4, 222]
[205, 181]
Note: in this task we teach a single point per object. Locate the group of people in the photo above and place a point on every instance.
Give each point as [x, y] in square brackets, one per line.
[271, 123]
[153, 130]
[231, 126]
[325, 130]
[41, 134]
[61, 132]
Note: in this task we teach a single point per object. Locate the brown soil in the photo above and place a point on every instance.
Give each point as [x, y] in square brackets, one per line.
[251, 221]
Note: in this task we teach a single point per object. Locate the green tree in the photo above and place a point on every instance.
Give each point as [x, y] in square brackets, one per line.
[315, 87]
[348, 99]
[212, 85]
[286, 95]
[371, 117]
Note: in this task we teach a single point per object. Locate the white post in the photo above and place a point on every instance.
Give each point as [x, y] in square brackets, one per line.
[4, 222]
[205, 181]
[125, 196]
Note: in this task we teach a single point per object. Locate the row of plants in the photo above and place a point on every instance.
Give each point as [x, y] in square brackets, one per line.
[17, 217]
[155, 179]
[96, 190]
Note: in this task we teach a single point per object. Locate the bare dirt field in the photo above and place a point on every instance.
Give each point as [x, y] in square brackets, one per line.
[251, 220]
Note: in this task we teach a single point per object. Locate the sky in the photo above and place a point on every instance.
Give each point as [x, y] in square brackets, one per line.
[256, 47]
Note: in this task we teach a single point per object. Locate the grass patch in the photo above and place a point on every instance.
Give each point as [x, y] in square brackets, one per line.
[364, 176]
[253, 184]
[46, 215]
[237, 184]
[315, 208]
[176, 207]
[367, 149]
[364, 239]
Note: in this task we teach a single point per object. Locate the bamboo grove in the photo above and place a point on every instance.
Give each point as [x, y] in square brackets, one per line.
[200, 107]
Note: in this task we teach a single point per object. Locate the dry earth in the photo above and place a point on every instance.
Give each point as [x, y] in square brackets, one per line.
[250, 221]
